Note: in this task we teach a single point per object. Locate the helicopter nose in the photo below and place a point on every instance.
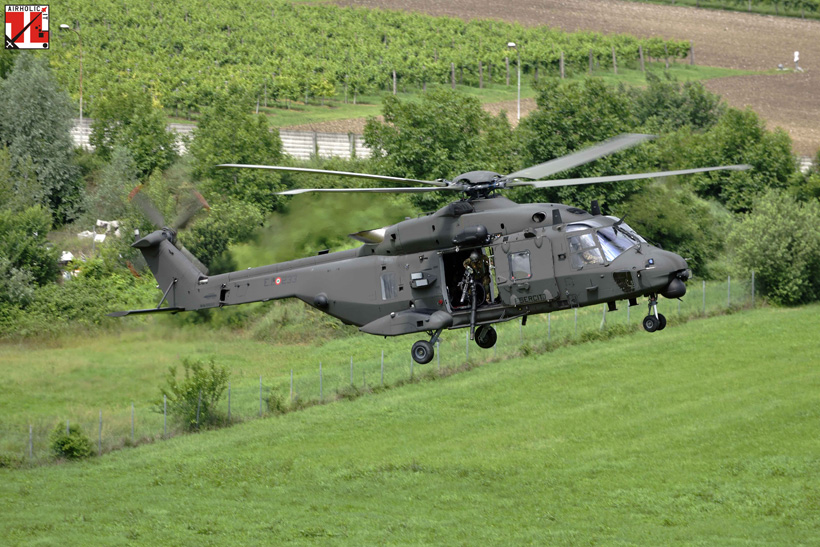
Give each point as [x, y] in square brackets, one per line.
[667, 272]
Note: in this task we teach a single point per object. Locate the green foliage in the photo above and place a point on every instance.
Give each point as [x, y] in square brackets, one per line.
[441, 136]
[35, 123]
[678, 220]
[118, 176]
[739, 137]
[780, 241]
[666, 105]
[71, 445]
[228, 222]
[24, 246]
[192, 400]
[571, 116]
[126, 116]
[226, 133]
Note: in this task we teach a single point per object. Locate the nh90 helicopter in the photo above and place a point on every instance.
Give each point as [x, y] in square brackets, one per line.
[418, 276]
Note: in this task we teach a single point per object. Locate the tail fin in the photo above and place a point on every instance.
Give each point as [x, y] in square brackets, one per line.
[176, 276]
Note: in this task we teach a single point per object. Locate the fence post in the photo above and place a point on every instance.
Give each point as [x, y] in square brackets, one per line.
[549, 326]
[30, 442]
[704, 297]
[590, 62]
[627, 312]
[753, 288]
[728, 291]
[99, 441]
[614, 61]
[438, 355]
[576, 321]
[562, 65]
[467, 345]
[67, 429]
[691, 53]
[351, 371]
[198, 407]
[291, 385]
[260, 395]
[321, 392]
[229, 401]
[521, 331]
[132, 422]
[382, 380]
[640, 54]
[411, 368]
[603, 319]
[164, 415]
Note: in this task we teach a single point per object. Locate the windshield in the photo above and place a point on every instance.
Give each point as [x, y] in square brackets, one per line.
[614, 242]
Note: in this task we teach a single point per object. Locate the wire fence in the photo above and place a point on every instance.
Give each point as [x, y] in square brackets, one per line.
[138, 422]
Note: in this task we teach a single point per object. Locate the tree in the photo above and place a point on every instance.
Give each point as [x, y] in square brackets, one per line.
[25, 254]
[117, 178]
[192, 401]
[441, 136]
[780, 241]
[127, 116]
[667, 105]
[35, 125]
[226, 133]
[572, 116]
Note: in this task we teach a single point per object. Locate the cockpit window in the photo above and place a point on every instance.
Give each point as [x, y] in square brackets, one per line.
[613, 242]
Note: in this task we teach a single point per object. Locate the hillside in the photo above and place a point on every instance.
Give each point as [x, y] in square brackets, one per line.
[702, 434]
[725, 39]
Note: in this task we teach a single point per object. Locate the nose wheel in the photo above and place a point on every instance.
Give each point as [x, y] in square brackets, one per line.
[422, 351]
[654, 321]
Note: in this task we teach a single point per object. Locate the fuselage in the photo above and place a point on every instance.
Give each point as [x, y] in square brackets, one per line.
[543, 258]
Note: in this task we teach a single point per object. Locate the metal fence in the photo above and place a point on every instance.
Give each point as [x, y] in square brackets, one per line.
[345, 377]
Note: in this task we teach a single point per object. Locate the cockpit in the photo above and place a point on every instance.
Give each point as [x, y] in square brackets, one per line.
[592, 242]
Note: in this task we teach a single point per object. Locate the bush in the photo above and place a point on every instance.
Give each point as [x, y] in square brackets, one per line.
[73, 445]
[780, 241]
[192, 400]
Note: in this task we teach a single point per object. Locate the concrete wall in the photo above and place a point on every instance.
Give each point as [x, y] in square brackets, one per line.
[299, 144]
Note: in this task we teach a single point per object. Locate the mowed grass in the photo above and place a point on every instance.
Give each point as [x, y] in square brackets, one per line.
[76, 378]
[704, 434]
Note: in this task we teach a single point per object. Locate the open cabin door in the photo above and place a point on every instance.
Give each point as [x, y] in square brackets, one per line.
[525, 272]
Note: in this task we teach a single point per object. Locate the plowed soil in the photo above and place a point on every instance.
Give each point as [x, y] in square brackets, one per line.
[788, 99]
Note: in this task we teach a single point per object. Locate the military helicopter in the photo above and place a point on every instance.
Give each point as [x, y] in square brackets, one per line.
[480, 260]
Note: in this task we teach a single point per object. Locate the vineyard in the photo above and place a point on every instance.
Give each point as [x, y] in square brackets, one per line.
[275, 51]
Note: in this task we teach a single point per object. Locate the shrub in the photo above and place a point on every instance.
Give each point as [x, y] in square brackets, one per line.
[198, 393]
[71, 445]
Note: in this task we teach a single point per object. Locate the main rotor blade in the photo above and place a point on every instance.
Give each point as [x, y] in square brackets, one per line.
[615, 144]
[617, 178]
[403, 190]
[335, 173]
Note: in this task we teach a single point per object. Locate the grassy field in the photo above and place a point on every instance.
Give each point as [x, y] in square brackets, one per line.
[703, 434]
[76, 378]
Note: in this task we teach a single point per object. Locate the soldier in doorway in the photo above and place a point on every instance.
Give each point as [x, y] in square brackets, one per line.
[480, 265]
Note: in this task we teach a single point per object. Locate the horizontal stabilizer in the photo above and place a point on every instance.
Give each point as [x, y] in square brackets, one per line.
[149, 310]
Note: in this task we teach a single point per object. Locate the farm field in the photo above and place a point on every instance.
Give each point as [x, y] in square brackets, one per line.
[723, 39]
[701, 434]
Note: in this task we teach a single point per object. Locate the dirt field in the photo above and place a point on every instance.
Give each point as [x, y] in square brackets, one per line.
[728, 39]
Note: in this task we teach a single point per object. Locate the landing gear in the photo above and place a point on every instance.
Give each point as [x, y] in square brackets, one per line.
[485, 336]
[654, 321]
[423, 352]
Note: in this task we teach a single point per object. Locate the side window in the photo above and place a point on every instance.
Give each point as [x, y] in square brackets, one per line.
[520, 265]
[389, 286]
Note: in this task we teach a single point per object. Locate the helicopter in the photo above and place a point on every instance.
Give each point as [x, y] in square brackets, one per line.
[480, 260]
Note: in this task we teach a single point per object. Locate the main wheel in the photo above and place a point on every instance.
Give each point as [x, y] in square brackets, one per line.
[423, 352]
[651, 323]
[485, 336]
[662, 319]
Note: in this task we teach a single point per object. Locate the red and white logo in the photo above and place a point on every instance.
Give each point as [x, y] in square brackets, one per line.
[26, 26]
[278, 280]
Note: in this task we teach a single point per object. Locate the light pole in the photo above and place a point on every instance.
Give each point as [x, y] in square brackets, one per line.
[512, 45]
[80, 38]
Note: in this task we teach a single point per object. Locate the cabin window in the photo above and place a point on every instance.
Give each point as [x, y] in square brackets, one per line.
[389, 286]
[520, 265]
[613, 242]
[585, 250]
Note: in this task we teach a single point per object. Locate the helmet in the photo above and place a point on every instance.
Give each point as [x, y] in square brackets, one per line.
[474, 256]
